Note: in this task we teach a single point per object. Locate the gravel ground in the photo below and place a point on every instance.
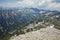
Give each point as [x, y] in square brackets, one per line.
[42, 34]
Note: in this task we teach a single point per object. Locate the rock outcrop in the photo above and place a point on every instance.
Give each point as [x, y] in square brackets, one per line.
[42, 34]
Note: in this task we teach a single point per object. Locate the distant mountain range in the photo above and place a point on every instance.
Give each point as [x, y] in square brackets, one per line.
[11, 19]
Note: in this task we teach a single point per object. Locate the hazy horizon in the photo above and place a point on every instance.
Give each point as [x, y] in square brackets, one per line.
[43, 4]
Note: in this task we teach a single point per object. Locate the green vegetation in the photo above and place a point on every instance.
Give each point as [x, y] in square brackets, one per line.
[39, 27]
[54, 21]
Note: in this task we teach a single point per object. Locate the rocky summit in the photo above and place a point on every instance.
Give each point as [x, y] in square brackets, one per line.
[42, 34]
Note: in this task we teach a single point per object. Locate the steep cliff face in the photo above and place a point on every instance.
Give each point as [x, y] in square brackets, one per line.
[42, 34]
[13, 19]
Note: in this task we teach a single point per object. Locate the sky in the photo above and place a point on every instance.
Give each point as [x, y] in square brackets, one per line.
[43, 4]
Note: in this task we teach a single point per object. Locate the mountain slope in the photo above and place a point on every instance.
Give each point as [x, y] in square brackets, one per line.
[12, 20]
[42, 34]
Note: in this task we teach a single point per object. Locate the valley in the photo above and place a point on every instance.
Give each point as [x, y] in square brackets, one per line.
[21, 21]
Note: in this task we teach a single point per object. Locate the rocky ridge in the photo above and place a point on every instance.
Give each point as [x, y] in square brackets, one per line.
[42, 34]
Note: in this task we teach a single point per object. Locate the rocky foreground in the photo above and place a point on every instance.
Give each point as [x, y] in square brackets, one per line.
[42, 34]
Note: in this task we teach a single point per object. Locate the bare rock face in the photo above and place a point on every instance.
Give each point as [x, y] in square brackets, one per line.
[42, 34]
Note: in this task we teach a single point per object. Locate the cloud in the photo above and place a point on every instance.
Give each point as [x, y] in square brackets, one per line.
[44, 4]
[26, 3]
[55, 6]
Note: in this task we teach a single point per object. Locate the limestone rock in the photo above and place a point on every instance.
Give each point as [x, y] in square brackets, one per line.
[42, 34]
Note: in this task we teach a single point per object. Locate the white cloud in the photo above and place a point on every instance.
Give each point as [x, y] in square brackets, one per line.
[46, 4]
[55, 6]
